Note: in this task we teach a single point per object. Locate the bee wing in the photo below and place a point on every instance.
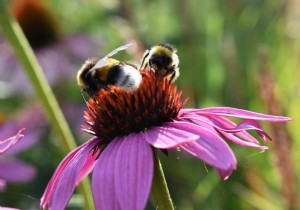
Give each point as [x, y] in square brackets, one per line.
[124, 47]
[104, 61]
[100, 63]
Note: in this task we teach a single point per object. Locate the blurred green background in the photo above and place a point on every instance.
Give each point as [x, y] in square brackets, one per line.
[238, 53]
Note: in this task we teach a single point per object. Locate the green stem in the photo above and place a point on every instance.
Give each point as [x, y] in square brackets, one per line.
[159, 192]
[25, 55]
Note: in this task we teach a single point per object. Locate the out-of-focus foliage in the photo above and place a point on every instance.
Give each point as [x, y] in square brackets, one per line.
[234, 53]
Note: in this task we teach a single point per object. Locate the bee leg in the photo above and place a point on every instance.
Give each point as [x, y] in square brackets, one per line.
[172, 77]
[173, 73]
[146, 54]
[146, 66]
[153, 70]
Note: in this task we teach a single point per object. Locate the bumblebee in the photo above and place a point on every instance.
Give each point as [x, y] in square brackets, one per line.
[96, 74]
[163, 60]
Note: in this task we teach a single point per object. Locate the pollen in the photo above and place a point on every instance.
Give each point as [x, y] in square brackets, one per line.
[117, 112]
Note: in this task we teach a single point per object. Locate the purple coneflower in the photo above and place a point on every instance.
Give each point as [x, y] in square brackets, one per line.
[5, 145]
[9, 142]
[10, 166]
[128, 126]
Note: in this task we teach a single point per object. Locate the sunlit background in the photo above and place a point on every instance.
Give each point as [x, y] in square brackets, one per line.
[238, 53]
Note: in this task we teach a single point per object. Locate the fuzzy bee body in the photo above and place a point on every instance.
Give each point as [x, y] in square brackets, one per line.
[98, 74]
[163, 60]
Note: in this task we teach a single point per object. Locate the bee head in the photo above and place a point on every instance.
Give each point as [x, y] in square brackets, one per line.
[160, 60]
[84, 72]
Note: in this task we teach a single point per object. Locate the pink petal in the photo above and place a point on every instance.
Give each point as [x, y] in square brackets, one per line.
[10, 171]
[217, 122]
[103, 184]
[233, 112]
[7, 143]
[212, 149]
[241, 142]
[243, 134]
[53, 181]
[133, 172]
[223, 125]
[30, 137]
[171, 135]
[241, 128]
[123, 174]
[62, 183]
[88, 165]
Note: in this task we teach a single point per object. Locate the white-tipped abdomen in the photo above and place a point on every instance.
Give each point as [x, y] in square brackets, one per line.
[130, 79]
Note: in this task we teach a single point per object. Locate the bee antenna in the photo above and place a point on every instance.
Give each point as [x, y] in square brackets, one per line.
[81, 92]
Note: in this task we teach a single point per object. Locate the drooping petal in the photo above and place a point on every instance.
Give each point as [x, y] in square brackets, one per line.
[123, 174]
[53, 181]
[237, 140]
[234, 112]
[16, 171]
[253, 124]
[218, 123]
[133, 172]
[88, 165]
[212, 149]
[7, 143]
[63, 182]
[244, 135]
[224, 125]
[103, 183]
[171, 135]
[67, 180]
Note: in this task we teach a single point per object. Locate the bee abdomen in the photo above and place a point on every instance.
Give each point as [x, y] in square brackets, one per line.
[125, 77]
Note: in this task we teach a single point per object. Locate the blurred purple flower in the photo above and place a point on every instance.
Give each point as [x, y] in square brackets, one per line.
[13, 170]
[59, 61]
[129, 126]
[72, 112]
[9, 142]
[9, 165]
[58, 56]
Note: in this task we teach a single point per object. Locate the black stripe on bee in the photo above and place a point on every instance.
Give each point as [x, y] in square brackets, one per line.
[87, 66]
[114, 75]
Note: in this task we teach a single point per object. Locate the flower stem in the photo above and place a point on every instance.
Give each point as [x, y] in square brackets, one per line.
[159, 192]
[25, 55]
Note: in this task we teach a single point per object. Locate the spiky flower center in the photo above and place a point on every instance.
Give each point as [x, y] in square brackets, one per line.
[118, 113]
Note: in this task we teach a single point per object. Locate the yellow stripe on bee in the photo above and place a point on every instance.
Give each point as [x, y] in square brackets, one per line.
[162, 50]
[103, 71]
[80, 80]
